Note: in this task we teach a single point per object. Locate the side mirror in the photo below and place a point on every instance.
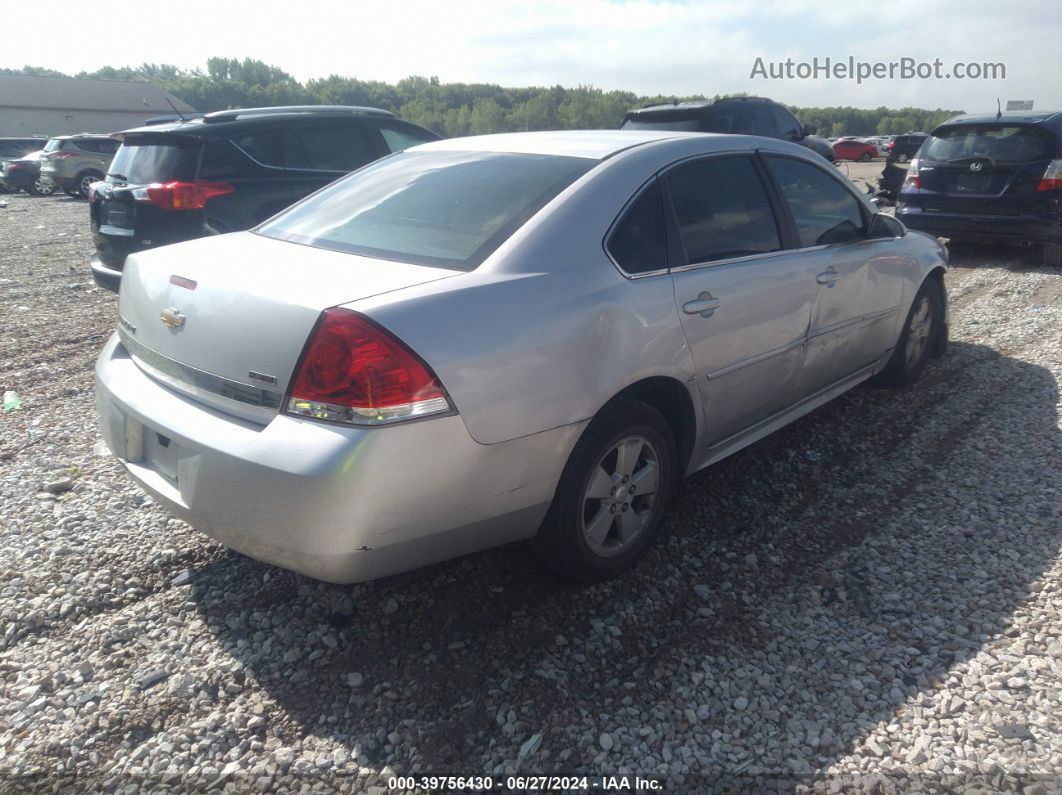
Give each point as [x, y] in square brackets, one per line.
[810, 129]
[882, 225]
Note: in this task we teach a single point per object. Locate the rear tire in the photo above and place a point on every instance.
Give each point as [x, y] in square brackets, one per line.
[919, 339]
[612, 494]
[41, 187]
[1052, 255]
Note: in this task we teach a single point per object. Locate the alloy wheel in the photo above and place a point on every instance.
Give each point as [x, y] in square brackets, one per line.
[620, 495]
[86, 182]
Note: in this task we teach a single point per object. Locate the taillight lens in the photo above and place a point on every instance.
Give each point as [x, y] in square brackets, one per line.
[181, 195]
[58, 155]
[356, 372]
[913, 179]
[1052, 178]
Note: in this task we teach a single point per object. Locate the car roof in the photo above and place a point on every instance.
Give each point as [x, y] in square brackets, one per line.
[1051, 118]
[695, 105]
[591, 144]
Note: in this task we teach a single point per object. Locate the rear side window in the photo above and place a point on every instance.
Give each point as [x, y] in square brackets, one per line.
[430, 208]
[638, 244]
[1001, 143]
[399, 137]
[722, 209]
[823, 210]
[141, 161]
[328, 147]
[265, 146]
[53, 145]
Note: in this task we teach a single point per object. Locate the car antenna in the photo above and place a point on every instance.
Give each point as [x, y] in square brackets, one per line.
[179, 115]
[999, 108]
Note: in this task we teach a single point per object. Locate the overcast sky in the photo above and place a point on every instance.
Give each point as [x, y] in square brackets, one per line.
[645, 46]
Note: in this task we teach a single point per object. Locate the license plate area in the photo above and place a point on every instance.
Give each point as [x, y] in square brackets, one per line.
[117, 214]
[973, 183]
[151, 450]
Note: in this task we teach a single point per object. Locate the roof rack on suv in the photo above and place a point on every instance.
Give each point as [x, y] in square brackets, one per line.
[232, 115]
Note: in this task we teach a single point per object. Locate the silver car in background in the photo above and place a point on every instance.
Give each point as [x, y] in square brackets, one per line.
[506, 337]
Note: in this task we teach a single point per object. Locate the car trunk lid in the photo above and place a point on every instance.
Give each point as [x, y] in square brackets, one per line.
[225, 319]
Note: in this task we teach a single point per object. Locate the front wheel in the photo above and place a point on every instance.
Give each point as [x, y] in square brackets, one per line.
[919, 339]
[612, 495]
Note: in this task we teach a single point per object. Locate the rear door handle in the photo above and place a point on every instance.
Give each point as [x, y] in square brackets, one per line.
[828, 277]
[704, 305]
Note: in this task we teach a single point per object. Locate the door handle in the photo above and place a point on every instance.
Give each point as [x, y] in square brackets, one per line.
[828, 277]
[704, 305]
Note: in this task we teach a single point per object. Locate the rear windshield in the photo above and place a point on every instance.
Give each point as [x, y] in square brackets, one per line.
[430, 208]
[1002, 143]
[140, 161]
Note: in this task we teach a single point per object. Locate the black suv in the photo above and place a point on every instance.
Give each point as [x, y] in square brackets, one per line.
[903, 147]
[743, 115]
[183, 178]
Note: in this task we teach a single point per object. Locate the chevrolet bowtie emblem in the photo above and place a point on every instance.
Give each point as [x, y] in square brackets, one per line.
[172, 317]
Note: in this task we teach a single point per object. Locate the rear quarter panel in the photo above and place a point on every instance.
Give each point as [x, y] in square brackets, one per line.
[546, 331]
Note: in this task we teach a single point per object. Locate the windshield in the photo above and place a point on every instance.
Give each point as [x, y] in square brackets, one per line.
[430, 208]
[1001, 143]
[142, 161]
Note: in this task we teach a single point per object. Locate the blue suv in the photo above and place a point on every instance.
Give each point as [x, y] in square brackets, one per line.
[992, 178]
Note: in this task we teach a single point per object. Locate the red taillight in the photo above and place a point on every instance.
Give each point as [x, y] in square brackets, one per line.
[355, 371]
[181, 195]
[1052, 178]
[890, 145]
[58, 155]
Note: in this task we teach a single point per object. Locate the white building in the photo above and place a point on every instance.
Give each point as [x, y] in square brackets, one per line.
[60, 105]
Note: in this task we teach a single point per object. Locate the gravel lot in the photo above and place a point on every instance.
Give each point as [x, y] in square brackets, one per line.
[867, 600]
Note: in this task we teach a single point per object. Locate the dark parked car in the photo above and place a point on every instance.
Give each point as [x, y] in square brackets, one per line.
[179, 179]
[903, 147]
[16, 149]
[25, 174]
[990, 178]
[855, 149]
[743, 115]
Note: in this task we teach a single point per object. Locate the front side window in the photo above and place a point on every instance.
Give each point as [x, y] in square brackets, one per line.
[328, 147]
[722, 209]
[638, 243]
[823, 210]
[763, 120]
[444, 208]
[788, 127]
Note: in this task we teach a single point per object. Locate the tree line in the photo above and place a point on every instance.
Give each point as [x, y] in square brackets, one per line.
[453, 109]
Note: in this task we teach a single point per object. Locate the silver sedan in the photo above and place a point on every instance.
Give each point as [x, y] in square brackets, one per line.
[502, 338]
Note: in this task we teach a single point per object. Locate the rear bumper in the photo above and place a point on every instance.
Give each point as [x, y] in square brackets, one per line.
[104, 275]
[1001, 228]
[332, 502]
